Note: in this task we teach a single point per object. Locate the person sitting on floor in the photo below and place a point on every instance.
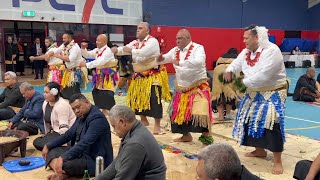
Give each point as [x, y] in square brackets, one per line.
[58, 116]
[140, 156]
[307, 170]
[90, 137]
[221, 162]
[224, 96]
[10, 97]
[29, 118]
[306, 89]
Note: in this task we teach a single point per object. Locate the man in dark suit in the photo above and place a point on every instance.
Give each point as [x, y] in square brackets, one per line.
[37, 49]
[310, 93]
[11, 54]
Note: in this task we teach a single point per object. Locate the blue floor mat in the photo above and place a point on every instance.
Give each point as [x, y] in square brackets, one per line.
[13, 166]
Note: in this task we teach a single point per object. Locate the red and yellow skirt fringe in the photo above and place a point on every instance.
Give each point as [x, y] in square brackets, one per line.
[106, 79]
[73, 76]
[55, 73]
[192, 105]
[139, 92]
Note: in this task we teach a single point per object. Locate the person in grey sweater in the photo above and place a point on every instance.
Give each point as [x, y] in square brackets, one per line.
[10, 97]
[140, 156]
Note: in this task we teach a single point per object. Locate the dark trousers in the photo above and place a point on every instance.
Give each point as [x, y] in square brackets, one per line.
[67, 92]
[307, 98]
[38, 67]
[39, 142]
[301, 170]
[31, 128]
[74, 167]
[6, 113]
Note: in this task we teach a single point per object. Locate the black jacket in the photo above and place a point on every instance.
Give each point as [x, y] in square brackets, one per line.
[11, 49]
[304, 81]
[33, 51]
[12, 97]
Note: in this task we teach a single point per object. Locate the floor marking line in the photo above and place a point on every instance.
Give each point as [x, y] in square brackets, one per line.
[300, 119]
[304, 128]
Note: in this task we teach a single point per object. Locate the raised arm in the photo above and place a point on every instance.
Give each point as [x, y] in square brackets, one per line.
[102, 60]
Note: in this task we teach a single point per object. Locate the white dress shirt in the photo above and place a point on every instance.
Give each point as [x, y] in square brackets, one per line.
[53, 60]
[106, 56]
[74, 55]
[268, 71]
[190, 70]
[151, 49]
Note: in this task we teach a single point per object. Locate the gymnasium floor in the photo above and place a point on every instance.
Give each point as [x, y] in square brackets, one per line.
[301, 118]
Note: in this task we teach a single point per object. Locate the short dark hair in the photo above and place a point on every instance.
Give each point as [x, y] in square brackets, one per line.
[252, 28]
[51, 85]
[69, 32]
[78, 96]
[50, 39]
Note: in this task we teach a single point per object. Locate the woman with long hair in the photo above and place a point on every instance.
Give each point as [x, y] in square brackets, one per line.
[58, 115]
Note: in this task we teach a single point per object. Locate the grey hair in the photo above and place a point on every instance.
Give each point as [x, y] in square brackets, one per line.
[125, 113]
[148, 26]
[11, 74]
[26, 86]
[311, 69]
[220, 161]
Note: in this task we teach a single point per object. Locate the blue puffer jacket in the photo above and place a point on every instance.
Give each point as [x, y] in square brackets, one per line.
[32, 111]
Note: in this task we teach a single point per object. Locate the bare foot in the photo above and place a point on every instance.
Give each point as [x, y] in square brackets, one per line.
[184, 138]
[56, 176]
[277, 168]
[144, 121]
[257, 153]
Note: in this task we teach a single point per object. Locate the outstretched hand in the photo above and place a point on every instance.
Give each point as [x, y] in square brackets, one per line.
[160, 58]
[227, 76]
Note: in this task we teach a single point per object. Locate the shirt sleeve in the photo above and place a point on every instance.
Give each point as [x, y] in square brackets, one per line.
[130, 165]
[273, 64]
[89, 54]
[120, 49]
[150, 49]
[169, 57]
[63, 117]
[19, 115]
[198, 59]
[236, 64]
[57, 50]
[102, 60]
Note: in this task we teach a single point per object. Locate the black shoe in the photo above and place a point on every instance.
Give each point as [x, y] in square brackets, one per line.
[36, 78]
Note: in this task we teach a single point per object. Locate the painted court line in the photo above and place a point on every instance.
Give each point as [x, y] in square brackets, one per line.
[300, 119]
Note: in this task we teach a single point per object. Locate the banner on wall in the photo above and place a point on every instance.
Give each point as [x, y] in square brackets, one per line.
[121, 12]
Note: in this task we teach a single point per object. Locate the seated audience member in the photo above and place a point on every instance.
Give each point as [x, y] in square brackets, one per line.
[221, 162]
[224, 96]
[296, 51]
[140, 156]
[29, 118]
[58, 116]
[306, 89]
[10, 97]
[307, 170]
[90, 137]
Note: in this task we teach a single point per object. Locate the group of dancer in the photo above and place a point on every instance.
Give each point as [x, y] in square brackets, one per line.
[260, 118]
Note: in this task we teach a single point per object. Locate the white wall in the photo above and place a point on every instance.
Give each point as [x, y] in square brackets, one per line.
[132, 11]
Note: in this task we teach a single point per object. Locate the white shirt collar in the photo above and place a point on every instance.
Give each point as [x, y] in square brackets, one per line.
[258, 50]
[145, 39]
[101, 49]
[187, 47]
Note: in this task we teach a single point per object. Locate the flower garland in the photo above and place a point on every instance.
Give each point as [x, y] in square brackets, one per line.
[100, 54]
[67, 48]
[187, 55]
[252, 62]
[136, 45]
[175, 150]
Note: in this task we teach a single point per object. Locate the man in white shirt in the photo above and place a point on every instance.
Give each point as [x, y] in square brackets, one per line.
[106, 78]
[260, 118]
[190, 109]
[150, 81]
[56, 66]
[74, 76]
